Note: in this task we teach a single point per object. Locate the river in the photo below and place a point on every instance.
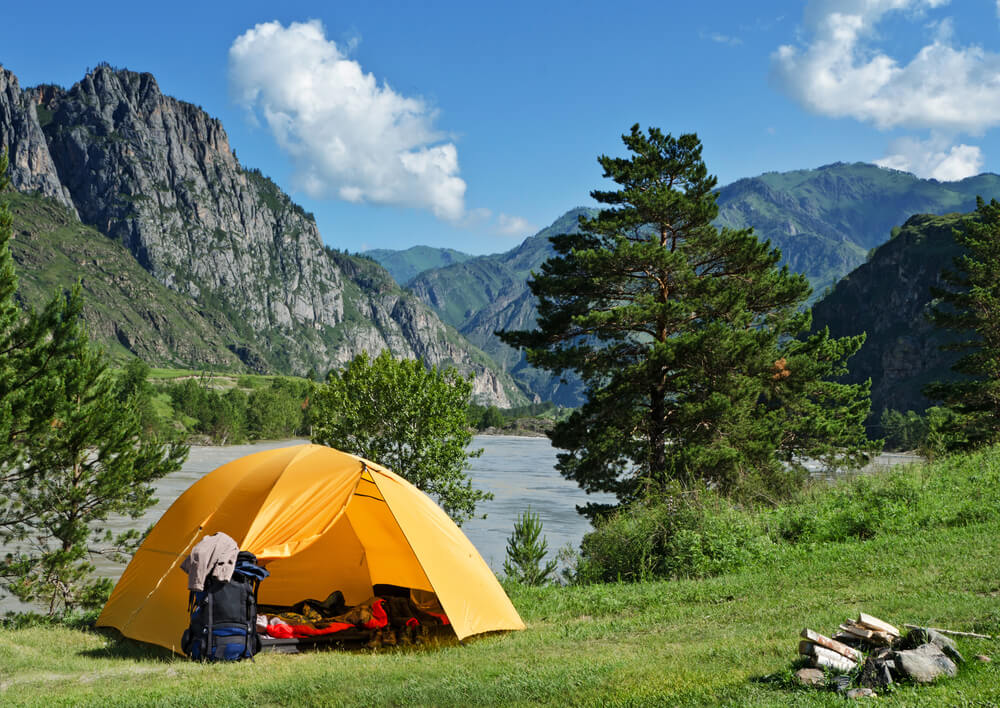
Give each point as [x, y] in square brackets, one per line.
[519, 471]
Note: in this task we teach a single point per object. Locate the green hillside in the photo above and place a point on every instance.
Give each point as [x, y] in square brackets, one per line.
[826, 220]
[126, 309]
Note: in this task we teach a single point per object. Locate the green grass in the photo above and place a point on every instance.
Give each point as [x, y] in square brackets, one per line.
[729, 640]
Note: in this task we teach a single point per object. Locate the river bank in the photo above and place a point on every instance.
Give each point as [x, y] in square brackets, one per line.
[726, 640]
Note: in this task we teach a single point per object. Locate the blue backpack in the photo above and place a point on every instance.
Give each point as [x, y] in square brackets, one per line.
[224, 615]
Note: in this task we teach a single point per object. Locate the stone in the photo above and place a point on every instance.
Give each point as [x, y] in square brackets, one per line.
[861, 692]
[983, 658]
[925, 664]
[842, 683]
[813, 678]
[942, 642]
[876, 672]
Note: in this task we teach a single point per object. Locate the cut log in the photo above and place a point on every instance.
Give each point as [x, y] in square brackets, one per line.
[877, 624]
[823, 657]
[950, 631]
[860, 632]
[831, 644]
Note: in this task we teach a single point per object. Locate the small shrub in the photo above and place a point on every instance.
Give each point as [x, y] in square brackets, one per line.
[526, 549]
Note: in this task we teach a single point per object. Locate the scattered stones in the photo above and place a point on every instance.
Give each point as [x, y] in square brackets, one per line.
[842, 683]
[813, 678]
[925, 664]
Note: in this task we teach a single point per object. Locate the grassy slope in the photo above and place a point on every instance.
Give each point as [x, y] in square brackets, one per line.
[53, 251]
[406, 265]
[729, 640]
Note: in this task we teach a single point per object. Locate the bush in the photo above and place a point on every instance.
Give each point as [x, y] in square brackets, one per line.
[696, 533]
[685, 533]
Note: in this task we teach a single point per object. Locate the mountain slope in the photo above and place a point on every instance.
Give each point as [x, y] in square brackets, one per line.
[158, 176]
[490, 293]
[125, 308]
[404, 266]
[826, 220]
[887, 298]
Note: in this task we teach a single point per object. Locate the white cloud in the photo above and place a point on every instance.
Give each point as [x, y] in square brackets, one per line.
[934, 158]
[840, 73]
[349, 136]
[514, 226]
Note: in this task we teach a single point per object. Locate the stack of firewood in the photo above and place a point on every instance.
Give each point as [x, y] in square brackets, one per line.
[869, 630]
[835, 653]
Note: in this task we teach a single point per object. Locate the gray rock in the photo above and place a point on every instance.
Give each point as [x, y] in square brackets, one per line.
[813, 678]
[926, 635]
[925, 664]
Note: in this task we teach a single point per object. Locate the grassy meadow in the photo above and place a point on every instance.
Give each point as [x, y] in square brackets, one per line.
[928, 556]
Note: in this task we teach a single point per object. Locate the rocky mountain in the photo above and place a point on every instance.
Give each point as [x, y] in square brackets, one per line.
[158, 176]
[887, 297]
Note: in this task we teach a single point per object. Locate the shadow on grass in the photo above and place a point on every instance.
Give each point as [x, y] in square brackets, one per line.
[119, 647]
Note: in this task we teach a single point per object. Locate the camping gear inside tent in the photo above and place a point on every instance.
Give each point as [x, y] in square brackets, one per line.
[322, 521]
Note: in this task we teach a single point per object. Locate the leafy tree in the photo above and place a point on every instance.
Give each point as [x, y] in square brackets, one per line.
[971, 305]
[273, 414]
[526, 549]
[687, 340]
[72, 451]
[406, 417]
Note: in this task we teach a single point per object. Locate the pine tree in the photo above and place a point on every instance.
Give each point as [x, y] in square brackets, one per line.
[526, 549]
[971, 306]
[72, 449]
[687, 338]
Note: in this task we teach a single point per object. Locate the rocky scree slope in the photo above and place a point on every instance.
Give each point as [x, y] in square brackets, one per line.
[158, 175]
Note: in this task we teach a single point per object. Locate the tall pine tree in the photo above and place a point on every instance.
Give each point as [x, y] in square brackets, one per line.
[687, 338]
[971, 307]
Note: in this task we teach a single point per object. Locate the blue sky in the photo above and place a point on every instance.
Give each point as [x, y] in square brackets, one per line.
[472, 125]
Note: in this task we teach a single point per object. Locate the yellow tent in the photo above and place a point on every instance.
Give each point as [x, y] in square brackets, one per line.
[322, 520]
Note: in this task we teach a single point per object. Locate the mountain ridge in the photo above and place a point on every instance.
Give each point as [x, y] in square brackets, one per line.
[157, 175]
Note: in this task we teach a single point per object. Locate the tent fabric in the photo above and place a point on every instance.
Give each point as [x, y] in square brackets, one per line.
[320, 520]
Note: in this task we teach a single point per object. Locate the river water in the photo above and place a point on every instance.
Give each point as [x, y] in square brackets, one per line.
[519, 471]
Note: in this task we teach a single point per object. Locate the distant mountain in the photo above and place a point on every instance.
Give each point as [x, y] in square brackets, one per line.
[403, 266]
[158, 176]
[887, 297]
[489, 293]
[826, 220]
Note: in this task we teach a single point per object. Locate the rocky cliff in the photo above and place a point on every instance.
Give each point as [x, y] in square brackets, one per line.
[158, 175]
[887, 297]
